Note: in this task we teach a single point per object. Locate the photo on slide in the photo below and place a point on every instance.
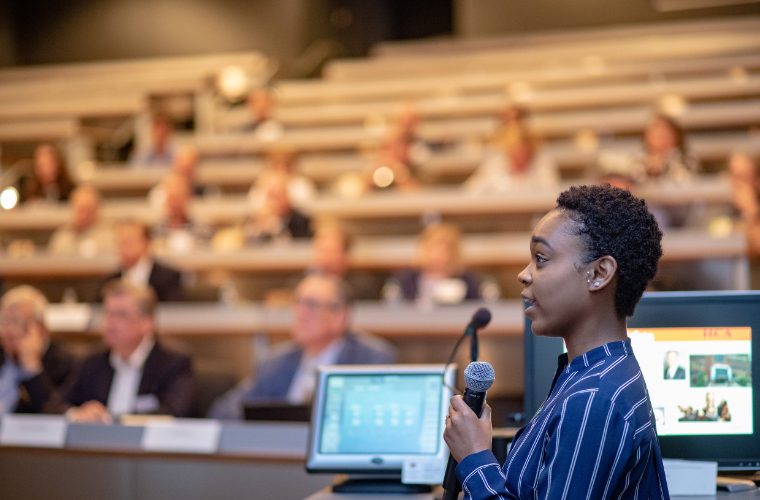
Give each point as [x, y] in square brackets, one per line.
[720, 370]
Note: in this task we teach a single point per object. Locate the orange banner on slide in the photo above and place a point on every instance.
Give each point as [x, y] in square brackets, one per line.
[718, 333]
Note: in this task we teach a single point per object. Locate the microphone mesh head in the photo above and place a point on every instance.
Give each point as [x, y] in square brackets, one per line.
[478, 376]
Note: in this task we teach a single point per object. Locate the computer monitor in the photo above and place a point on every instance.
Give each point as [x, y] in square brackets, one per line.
[698, 352]
[370, 419]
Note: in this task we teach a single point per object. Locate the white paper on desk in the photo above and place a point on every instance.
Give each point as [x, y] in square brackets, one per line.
[423, 471]
[44, 431]
[690, 477]
[182, 436]
[68, 317]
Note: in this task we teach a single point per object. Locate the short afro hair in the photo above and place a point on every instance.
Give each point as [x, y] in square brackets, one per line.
[613, 222]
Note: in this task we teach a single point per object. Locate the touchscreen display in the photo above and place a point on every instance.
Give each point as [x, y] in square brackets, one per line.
[383, 414]
[699, 379]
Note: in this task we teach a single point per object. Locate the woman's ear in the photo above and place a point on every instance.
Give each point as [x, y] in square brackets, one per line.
[601, 272]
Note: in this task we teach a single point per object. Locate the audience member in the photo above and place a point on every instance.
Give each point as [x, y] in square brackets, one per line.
[261, 105]
[391, 166]
[160, 152]
[746, 188]
[405, 125]
[136, 375]
[137, 266]
[177, 232]
[34, 371]
[321, 336]
[282, 160]
[85, 235]
[440, 278]
[663, 156]
[184, 164]
[50, 181]
[513, 159]
[330, 248]
[273, 217]
[330, 256]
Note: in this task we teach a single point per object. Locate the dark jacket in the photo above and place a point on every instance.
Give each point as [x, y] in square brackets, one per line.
[166, 374]
[274, 376]
[165, 281]
[44, 392]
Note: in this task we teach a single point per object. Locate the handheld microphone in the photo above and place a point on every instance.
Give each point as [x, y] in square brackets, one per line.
[480, 319]
[478, 376]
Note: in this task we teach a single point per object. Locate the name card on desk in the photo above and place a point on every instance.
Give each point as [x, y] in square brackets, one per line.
[44, 431]
[68, 317]
[182, 436]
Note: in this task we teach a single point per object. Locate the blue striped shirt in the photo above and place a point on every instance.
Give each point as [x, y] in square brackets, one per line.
[593, 438]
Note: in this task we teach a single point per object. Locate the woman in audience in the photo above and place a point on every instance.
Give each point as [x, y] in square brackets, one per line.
[513, 159]
[50, 181]
[440, 278]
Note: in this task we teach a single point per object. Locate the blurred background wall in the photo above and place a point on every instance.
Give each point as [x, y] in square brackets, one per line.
[54, 31]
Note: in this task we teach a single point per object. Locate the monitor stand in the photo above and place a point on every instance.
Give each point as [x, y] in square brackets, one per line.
[383, 485]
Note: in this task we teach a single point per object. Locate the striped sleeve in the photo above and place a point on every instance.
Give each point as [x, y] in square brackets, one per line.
[482, 478]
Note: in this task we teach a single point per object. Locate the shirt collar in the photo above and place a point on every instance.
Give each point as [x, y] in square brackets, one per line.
[137, 358]
[617, 348]
[328, 356]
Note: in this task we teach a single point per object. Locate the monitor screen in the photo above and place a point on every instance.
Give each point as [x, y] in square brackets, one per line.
[699, 379]
[698, 354]
[372, 418]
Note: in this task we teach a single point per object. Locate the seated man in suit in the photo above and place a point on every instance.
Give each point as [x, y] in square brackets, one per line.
[33, 370]
[138, 267]
[136, 374]
[321, 336]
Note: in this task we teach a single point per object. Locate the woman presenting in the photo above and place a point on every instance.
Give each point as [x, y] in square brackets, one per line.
[594, 437]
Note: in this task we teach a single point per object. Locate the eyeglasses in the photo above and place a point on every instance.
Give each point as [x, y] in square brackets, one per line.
[315, 305]
[119, 315]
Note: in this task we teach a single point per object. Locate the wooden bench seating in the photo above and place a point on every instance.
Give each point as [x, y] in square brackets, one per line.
[637, 48]
[368, 253]
[378, 205]
[620, 120]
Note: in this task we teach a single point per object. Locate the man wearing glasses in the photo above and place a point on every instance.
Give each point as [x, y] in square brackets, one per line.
[321, 336]
[34, 372]
[136, 375]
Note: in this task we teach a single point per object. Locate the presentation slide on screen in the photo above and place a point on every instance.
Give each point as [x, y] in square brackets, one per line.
[699, 379]
[395, 414]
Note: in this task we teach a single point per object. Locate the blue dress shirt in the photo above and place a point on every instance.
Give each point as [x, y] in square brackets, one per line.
[593, 438]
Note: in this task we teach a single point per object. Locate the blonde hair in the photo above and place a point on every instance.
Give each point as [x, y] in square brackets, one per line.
[25, 294]
[142, 294]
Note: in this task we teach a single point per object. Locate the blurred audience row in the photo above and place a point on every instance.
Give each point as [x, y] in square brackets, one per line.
[135, 373]
[512, 158]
